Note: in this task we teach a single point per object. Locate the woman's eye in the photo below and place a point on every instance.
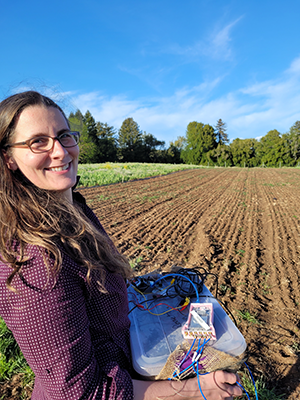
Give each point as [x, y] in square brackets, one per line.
[64, 135]
[39, 140]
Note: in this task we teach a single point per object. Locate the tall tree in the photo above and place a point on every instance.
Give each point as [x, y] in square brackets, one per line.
[150, 145]
[200, 139]
[271, 149]
[107, 142]
[222, 137]
[243, 152]
[130, 143]
[290, 149]
[76, 121]
[221, 155]
[91, 127]
[89, 143]
[294, 141]
[179, 142]
[173, 153]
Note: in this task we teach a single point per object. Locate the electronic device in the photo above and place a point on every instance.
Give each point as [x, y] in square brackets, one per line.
[200, 322]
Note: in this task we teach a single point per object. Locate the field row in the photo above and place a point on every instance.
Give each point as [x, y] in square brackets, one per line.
[240, 224]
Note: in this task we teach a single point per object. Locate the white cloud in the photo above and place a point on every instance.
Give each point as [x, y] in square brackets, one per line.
[295, 67]
[249, 112]
[219, 43]
[216, 45]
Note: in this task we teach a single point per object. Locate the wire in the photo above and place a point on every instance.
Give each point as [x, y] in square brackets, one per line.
[148, 308]
[194, 276]
[256, 394]
[242, 387]
[216, 282]
[223, 305]
[181, 276]
[186, 283]
[165, 312]
[199, 384]
[190, 349]
[138, 304]
[195, 359]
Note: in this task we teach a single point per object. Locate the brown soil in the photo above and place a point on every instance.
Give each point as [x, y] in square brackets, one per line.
[241, 224]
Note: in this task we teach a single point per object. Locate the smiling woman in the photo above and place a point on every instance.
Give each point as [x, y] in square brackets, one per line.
[53, 169]
[63, 287]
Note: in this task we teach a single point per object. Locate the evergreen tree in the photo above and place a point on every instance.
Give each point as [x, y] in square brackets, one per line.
[221, 128]
[221, 156]
[79, 115]
[130, 143]
[294, 141]
[289, 150]
[89, 142]
[75, 121]
[91, 127]
[107, 143]
[271, 149]
[243, 152]
[200, 139]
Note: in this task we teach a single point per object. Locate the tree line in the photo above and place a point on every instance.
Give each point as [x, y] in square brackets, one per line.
[202, 144]
[205, 144]
[100, 142]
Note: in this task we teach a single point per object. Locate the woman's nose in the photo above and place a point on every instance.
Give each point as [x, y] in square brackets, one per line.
[58, 149]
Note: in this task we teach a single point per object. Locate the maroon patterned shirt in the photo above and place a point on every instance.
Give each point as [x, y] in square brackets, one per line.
[75, 338]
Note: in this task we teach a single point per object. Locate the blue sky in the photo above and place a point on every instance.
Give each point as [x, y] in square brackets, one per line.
[164, 63]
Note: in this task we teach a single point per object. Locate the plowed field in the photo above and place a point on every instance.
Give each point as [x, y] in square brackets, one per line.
[241, 224]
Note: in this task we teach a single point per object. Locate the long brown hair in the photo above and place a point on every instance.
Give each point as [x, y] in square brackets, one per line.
[31, 215]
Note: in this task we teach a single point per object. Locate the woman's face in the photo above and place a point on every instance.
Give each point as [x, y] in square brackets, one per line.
[54, 170]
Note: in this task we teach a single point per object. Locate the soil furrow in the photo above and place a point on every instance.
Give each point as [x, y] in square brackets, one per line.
[242, 225]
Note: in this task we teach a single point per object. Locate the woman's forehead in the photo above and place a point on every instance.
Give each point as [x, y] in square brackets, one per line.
[39, 120]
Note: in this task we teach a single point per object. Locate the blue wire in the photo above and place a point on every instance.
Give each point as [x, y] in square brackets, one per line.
[202, 346]
[256, 395]
[199, 385]
[200, 350]
[181, 276]
[184, 359]
[243, 389]
[190, 349]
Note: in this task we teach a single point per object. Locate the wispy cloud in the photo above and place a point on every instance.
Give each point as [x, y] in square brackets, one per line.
[166, 63]
[249, 112]
[216, 45]
[219, 43]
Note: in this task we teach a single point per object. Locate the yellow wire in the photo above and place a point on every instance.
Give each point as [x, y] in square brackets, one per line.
[187, 300]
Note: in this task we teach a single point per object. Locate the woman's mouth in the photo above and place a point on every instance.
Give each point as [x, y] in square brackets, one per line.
[57, 169]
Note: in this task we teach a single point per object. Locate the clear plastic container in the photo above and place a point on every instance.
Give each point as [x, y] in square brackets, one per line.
[154, 337]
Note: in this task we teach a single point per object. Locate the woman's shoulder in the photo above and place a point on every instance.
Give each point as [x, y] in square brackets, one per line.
[88, 211]
[77, 196]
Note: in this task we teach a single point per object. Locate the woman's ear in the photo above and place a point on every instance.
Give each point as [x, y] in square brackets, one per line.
[10, 162]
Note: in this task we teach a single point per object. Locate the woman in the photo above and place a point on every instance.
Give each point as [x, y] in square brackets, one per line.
[62, 282]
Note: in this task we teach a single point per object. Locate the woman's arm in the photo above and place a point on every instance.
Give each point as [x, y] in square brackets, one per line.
[218, 385]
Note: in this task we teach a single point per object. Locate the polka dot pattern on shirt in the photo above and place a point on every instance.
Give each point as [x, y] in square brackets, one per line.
[75, 338]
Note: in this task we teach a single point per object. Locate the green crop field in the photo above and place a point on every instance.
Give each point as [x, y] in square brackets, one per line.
[107, 173]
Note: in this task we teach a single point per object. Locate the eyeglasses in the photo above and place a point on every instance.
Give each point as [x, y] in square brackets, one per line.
[43, 144]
